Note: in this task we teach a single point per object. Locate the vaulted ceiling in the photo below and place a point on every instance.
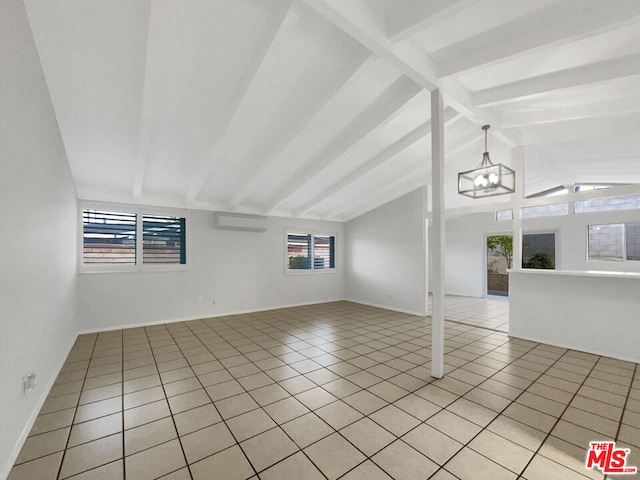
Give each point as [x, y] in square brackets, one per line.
[321, 108]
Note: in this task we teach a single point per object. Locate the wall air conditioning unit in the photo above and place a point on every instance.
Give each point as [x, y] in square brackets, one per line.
[238, 221]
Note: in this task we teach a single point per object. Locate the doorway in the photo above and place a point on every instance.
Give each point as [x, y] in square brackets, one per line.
[499, 260]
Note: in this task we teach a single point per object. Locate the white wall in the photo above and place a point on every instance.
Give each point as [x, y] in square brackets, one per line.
[386, 255]
[465, 263]
[241, 271]
[38, 255]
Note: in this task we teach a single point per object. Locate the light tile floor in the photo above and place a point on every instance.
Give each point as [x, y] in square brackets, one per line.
[489, 312]
[337, 390]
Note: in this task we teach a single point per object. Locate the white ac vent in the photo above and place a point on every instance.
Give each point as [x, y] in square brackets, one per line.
[238, 221]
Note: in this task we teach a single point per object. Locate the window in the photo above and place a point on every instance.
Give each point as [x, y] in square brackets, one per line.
[624, 202]
[163, 240]
[306, 251]
[545, 210]
[502, 215]
[539, 251]
[116, 240]
[109, 237]
[606, 242]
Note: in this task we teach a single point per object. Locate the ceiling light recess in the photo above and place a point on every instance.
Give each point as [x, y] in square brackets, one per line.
[488, 179]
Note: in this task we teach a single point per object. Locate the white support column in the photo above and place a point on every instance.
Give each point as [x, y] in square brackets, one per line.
[437, 234]
[517, 157]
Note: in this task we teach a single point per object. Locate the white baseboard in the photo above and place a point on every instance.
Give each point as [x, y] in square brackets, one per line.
[6, 469]
[387, 307]
[201, 317]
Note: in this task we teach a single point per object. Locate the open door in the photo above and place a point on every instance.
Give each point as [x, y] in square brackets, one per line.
[499, 259]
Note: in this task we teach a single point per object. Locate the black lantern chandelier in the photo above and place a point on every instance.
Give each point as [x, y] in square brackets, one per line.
[488, 179]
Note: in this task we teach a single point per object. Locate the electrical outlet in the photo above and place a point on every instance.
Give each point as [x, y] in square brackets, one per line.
[29, 382]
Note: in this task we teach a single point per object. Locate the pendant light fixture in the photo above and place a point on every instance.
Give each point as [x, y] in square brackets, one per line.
[488, 179]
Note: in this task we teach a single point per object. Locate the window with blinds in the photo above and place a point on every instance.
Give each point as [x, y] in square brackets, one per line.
[115, 240]
[109, 237]
[163, 240]
[310, 252]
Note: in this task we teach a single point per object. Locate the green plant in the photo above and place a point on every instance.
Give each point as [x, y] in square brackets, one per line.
[539, 261]
[503, 246]
[299, 262]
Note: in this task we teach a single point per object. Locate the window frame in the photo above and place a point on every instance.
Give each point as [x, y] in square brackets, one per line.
[140, 212]
[312, 233]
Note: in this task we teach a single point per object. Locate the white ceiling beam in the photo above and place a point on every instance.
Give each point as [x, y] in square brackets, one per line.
[150, 91]
[339, 88]
[586, 130]
[557, 24]
[355, 19]
[360, 22]
[570, 78]
[377, 196]
[385, 108]
[607, 108]
[208, 164]
[422, 16]
[419, 133]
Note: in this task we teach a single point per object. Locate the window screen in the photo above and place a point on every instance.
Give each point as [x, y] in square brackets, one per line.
[323, 252]
[163, 240]
[109, 237]
[298, 251]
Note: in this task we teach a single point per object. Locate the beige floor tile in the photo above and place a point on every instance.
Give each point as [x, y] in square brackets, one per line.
[472, 412]
[111, 471]
[599, 408]
[155, 462]
[543, 468]
[594, 422]
[334, 456]
[143, 397]
[269, 394]
[437, 395]
[630, 435]
[52, 421]
[365, 402]
[268, 448]
[236, 405]
[142, 383]
[94, 429]
[487, 399]
[433, 444]
[91, 455]
[315, 398]
[189, 400]
[257, 380]
[307, 429]
[454, 426]
[295, 466]
[229, 464]
[182, 386]
[297, 384]
[207, 441]
[366, 471]
[223, 390]
[98, 409]
[249, 424]
[148, 435]
[145, 414]
[44, 468]
[575, 434]
[197, 418]
[286, 410]
[341, 388]
[469, 465]
[44, 444]
[442, 474]
[417, 406]
[401, 461]
[388, 391]
[569, 455]
[499, 388]
[531, 417]
[63, 402]
[338, 414]
[367, 436]
[395, 420]
[517, 432]
[502, 451]
[322, 376]
[215, 377]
